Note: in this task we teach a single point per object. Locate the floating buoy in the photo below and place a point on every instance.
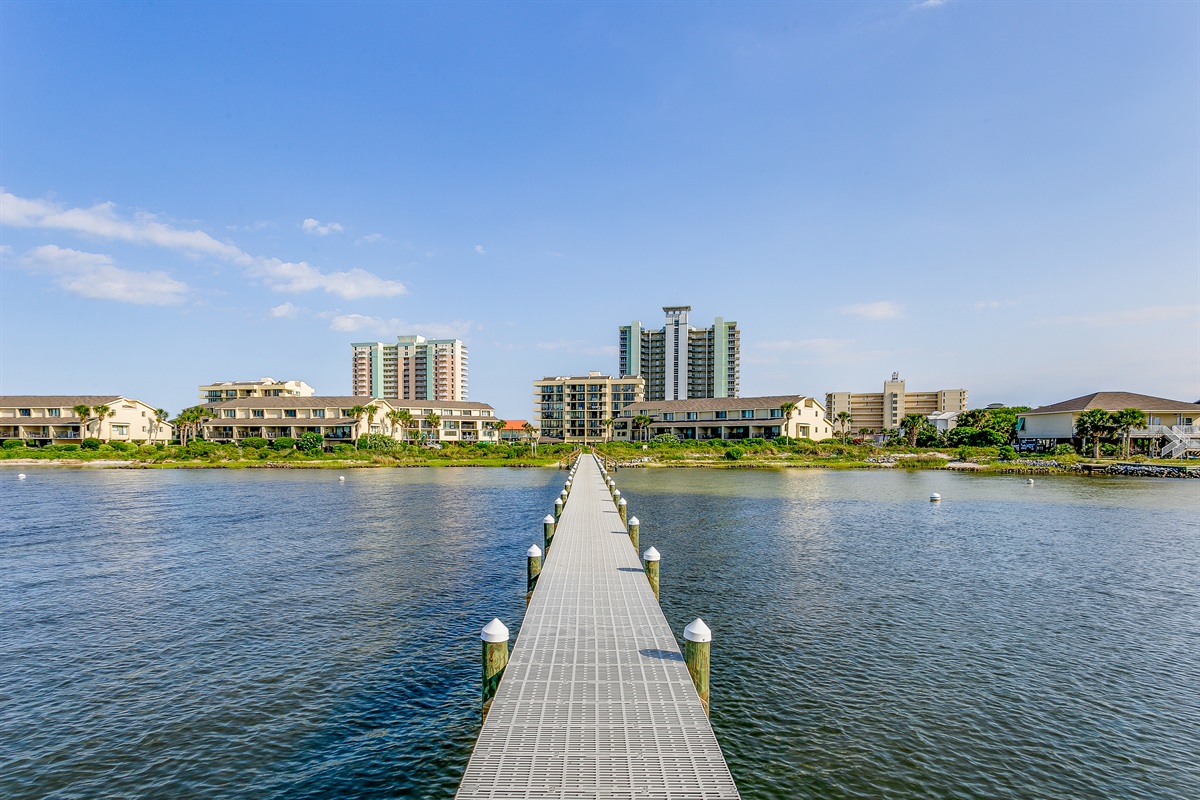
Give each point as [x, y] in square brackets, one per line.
[21, 476]
[935, 497]
[1029, 481]
[341, 477]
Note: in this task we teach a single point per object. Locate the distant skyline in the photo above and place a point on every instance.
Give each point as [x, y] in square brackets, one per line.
[999, 197]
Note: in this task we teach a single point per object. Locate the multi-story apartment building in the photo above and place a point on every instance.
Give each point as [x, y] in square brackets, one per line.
[263, 387]
[726, 418]
[880, 411]
[413, 368]
[56, 419]
[678, 361]
[576, 409]
[333, 418]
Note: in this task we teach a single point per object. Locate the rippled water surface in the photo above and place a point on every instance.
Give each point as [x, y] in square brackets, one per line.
[279, 634]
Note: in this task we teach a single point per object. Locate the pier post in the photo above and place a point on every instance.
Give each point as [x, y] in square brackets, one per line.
[534, 568]
[623, 510]
[652, 559]
[697, 643]
[617, 496]
[547, 533]
[635, 529]
[567, 487]
[495, 659]
[558, 506]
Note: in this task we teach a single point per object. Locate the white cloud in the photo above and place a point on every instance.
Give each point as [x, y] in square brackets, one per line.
[881, 309]
[101, 221]
[95, 275]
[928, 4]
[262, 224]
[286, 311]
[986, 305]
[479, 249]
[353, 323]
[317, 229]
[371, 238]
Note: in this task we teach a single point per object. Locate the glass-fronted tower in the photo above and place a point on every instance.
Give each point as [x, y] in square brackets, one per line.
[679, 362]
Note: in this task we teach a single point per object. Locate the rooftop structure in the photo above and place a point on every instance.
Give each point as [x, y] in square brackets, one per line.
[263, 387]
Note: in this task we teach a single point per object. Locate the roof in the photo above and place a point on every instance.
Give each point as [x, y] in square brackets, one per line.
[716, 403]
[330, 401]
[58, 400]
[1115, 401]
[515, 425]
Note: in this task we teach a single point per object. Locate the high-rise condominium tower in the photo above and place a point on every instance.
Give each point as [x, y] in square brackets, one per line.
[680, 362]
[414, 368]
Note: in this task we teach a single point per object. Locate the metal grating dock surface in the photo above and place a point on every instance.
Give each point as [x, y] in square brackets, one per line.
[596, 701]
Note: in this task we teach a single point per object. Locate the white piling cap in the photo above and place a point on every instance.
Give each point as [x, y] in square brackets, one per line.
[534, 551]
[494, 631]
[697, 631]
[567, 485]
[548, 519]
[933, 498]
[652, 555]
[558, 501]
[622, 502]
[634, 521]
[616, 492]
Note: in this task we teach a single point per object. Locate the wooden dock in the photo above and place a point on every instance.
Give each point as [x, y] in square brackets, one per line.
[596, 701]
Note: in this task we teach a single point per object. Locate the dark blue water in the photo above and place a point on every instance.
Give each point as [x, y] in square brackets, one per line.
[280, 634]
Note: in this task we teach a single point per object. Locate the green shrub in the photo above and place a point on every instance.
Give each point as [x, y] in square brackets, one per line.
[283, 443]
[665, 438]
[1007, 453]
[734, 453]
[1064, 450]
[381, 443]
[90, 444]
[310, 442]
[123, 447]
[68, 448]
[343, 450]
[964, 453]
[13, 444]
[754, 441]
[254, 442]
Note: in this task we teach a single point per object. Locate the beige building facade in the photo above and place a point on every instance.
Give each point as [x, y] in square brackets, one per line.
[880, 411]
[411, 368]
[726, 418]
[1175, 422]
[263, 387]
[575, 409]
[53, 419]
[333, 418]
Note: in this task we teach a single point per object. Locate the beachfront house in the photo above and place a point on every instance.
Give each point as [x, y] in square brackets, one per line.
[1175, 422]
[725, 418]
[54, 419]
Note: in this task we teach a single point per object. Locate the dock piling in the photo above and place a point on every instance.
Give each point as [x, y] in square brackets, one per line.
[558, 507]
[548, 525]
[635, 529]
[623, 510]
[697, 644]
[495, 659]
[652, 559]
[533, 568]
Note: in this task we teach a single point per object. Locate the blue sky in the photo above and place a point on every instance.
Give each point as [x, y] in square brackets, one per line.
[1003, 197]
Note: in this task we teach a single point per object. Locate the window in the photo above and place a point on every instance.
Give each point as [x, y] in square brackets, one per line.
[229, 413]
[318, 413]
[692, 415]
[748, 413]
[466, 412]
[54, 412]
[776, 413]
[289, 412]
[722, 414]
[120, 430]
[258, 412]
[25, 412]
[669, 416]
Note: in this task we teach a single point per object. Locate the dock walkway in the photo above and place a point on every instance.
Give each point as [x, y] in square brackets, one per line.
[596, 701]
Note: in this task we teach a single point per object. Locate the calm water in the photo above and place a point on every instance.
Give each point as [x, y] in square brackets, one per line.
[279, 634]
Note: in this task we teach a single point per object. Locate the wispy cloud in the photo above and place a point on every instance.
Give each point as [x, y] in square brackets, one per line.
[1130, 316]
[95, 275]
[356, 323]
[371, 238]
[317, 229]
[262, 224]
[990, 305]
[287, 311]
[101, 221]
[881, 309]
[479, 249]
[928, 4]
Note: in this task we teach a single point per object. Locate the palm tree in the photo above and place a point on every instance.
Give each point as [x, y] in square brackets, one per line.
[607, 423]
[528, 428]
[643, 423]
[1125, 420]
[102, 412]
[435, 422]
[497, 425]
[1093, 424]
[405, 418]
[84, 412]
[358, 412]
[843, 419]
[912, 425]
[787, 409]
[160, 416]
[372, 410]
[393, 421]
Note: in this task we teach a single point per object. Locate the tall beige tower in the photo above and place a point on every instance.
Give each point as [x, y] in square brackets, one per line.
[414, 368]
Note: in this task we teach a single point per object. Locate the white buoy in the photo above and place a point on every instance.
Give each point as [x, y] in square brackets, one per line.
[341, 477]
[21, 476]
[935, 497]
[1029, 481]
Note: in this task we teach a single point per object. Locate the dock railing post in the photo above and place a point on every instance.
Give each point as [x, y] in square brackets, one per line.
[697, 643]
[635, 529]
[623, 510]
[495, 659]
[547, 533]
[651, 560]
[558, 507]
[533, 568]
[617, 496]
